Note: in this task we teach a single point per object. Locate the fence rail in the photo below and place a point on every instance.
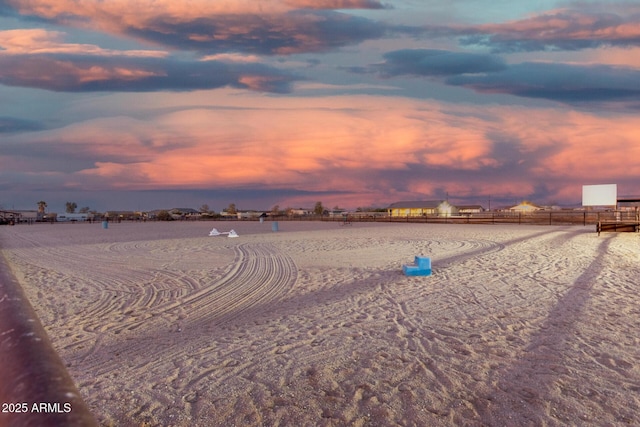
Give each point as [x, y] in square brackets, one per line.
[35, 389]
[540, 218]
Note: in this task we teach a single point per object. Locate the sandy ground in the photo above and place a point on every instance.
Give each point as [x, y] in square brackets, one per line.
[160, 324]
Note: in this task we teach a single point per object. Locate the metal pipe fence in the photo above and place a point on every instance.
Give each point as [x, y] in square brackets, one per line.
[540, 218]
[35, 387]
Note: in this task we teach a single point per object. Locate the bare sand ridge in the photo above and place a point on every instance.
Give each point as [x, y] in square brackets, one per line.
[160, 324]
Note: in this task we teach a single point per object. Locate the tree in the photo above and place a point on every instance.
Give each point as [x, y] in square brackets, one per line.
[204, 208]
[318, 209]
[71, 207]
[232, 209]
[84, 210]
[42, 205]
[275, 210]
[164, 216]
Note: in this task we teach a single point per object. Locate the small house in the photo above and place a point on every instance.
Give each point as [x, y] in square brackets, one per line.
[525, 207]
[470, 209]
[422, 208]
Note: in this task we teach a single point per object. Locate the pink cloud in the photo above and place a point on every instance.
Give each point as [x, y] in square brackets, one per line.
[36, 59]
[570, 28]
[280, 27]
[58, 74]
[39, 41]
[629, 56]
[397, 147]
[144, 10]
[130, 12]
[373, 149]
[566, 24]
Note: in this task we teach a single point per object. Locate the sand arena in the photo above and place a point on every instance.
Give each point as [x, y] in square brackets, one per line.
[160, 324]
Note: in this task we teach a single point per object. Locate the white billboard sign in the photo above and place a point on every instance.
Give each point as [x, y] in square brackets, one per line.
[600, 195]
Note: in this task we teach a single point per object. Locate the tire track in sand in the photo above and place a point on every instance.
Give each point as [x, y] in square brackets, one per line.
[259, 276]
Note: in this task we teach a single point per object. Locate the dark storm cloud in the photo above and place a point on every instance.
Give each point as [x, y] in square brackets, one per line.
[306, 26]
[58, 155]
[14, 125]
[559, 82]
[299, 31]
[483, 73]
[78, 73]
[432, 62]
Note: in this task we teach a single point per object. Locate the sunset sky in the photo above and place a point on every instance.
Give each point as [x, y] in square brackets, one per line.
[151, 104]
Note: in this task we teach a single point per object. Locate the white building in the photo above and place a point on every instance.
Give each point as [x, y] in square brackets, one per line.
[422, 208]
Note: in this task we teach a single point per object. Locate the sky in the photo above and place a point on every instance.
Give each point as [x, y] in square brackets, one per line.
[152, 104]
